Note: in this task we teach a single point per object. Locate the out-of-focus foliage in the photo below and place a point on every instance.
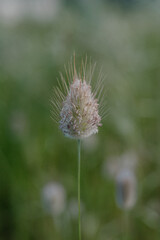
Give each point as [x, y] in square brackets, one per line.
[33, 152]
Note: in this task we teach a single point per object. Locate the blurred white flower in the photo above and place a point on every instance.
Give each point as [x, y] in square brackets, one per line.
[11, 10]
[44, 10]
[122, 170]
[54, 198]
[41, 10]
[115, 164]
[126, 189]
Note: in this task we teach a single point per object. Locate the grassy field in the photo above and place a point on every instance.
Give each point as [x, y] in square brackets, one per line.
[34, 152]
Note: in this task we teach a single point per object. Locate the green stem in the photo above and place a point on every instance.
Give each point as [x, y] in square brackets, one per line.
[126, 224]
[79, 189]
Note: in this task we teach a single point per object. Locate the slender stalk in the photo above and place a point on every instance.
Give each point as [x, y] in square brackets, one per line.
[126, 225]
[79, 188]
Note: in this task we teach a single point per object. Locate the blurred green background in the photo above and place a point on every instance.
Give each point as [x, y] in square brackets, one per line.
[36, 39]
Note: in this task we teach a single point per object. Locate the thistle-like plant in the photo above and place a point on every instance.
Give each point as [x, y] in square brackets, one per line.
[78, 108]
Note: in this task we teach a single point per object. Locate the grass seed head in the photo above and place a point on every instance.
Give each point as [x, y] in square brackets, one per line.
[75, 106]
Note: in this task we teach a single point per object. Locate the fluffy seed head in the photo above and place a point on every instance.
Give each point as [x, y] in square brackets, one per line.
[79, 114]
[77, 107]
[54, 198]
